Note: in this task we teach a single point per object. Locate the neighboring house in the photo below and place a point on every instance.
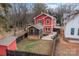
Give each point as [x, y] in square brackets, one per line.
[71, 26]
[8, 43]
[48, 22]
[34, 31]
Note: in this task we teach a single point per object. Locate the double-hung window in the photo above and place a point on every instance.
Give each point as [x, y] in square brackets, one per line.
[72, 31]
[40, 21]
[47, 29]
[47, 21]
[78, 31]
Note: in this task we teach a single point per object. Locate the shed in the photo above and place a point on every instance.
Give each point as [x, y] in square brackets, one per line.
[35, 31]
[8, 43]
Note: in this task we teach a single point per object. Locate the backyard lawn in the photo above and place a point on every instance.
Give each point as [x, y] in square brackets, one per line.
[2, 32]
[35, 46]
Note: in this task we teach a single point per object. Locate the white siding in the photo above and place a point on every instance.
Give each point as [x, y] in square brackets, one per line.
[72, 24]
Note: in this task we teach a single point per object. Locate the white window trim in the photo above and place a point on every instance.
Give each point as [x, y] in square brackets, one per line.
[47, 20]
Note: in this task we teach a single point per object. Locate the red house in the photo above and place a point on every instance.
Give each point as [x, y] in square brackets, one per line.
[48, 22]
[8, 43]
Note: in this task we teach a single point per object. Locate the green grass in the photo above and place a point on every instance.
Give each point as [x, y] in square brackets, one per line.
[27, 45]
[35, 46]
[30, 45]
[2, 32]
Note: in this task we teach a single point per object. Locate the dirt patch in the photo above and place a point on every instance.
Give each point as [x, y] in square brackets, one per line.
[66, 48]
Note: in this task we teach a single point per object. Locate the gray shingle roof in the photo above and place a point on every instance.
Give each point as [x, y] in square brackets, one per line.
[70, 16]
[38, 26]
[7, 40]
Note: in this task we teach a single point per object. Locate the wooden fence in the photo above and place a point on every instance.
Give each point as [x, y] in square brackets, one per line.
[21, 53]
[21, 37]
[55, 41]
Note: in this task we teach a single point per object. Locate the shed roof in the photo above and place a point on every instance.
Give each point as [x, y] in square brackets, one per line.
[38, 26]
[6, 41]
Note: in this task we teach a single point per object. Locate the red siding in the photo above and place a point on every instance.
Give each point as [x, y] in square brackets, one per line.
[50, 20]
[51, 24]
[41, 16]
[12, 46]
[37, 20]
[2, 50]
[47, 27]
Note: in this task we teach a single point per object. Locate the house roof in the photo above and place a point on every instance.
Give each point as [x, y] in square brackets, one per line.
[69, 16]
[37, 26]
[6, 41]
[45, 16]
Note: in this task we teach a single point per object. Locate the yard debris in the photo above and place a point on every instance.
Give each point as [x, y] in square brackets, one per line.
[49, 37]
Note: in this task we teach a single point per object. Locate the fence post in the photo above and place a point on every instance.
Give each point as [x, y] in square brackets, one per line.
[54, 44]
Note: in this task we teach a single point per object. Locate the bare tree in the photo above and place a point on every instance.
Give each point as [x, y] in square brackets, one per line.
[18, 16]
[39, 7]
[65, 8]
[4, 11]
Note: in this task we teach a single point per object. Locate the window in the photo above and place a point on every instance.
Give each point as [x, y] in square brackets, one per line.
[40, 21]
[47, 29]
[78, 31]
[72, 31]
[47, 21]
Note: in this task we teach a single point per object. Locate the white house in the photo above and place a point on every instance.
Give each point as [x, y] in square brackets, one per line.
[71, 25]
